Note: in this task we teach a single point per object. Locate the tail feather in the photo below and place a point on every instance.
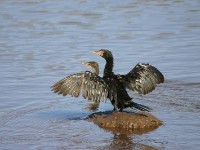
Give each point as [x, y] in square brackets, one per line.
[138, 106]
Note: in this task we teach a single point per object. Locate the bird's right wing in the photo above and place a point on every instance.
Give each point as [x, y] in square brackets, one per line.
[90, 85]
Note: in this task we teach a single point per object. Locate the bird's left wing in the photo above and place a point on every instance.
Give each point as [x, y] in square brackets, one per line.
[90, 85]
[142, 78]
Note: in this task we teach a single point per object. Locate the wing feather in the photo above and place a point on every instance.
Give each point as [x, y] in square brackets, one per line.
[87, 84]
[142, 78]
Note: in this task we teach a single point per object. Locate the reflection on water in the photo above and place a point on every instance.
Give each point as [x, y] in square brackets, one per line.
[93, 106]
[123, 141]
[44, 41]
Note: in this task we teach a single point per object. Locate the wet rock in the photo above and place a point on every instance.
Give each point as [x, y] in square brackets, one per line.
[125, 122]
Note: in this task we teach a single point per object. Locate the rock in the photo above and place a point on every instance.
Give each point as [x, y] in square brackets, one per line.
[125, 122]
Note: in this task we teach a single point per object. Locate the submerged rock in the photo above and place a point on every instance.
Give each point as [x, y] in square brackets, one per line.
[125, 122]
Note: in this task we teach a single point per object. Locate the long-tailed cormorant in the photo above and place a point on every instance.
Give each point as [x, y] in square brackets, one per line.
[92, 87]
[141, 79]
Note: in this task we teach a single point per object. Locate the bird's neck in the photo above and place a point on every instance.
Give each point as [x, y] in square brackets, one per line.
[96, 70]
[108, 70]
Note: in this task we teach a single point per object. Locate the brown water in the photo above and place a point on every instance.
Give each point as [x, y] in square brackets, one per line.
[44, 41]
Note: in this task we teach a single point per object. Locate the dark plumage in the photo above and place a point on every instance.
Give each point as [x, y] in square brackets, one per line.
[141, 79]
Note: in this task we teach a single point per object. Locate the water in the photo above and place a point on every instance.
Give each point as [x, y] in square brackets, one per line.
[44, 41]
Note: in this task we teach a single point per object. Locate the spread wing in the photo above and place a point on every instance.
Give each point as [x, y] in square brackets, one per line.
[142, 78]
[87, 84]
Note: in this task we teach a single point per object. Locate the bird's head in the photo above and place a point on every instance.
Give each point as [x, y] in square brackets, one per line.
[92, 64]
[103, 53]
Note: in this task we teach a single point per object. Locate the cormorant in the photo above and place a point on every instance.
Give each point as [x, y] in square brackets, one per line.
[92, 87]
[141, 79]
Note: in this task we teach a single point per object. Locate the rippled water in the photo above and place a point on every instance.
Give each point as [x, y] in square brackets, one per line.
[44, 41]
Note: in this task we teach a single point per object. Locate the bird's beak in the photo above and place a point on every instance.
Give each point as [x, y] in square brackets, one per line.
[100, 53]
[85, 63]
